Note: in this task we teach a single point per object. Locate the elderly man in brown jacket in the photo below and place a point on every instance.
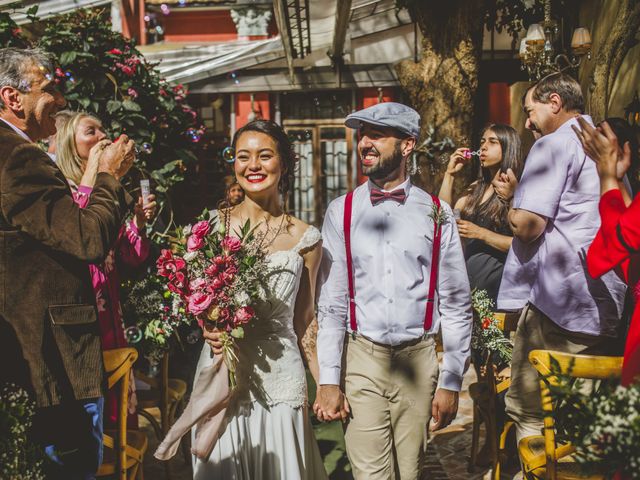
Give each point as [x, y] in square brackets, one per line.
[49, 337]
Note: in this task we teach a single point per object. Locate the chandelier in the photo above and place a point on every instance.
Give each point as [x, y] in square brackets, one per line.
[537, 51]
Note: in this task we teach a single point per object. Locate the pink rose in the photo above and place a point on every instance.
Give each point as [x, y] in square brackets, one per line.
[216, 284]
[231, 269]
[199, 302]
[225, 314]
[219, 260]
[194, 243]
[231, 244]
[243, 315]
[197, 284]
[211, 270]
[201, 229]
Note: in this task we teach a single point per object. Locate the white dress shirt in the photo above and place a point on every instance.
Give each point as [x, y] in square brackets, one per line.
[391, 247]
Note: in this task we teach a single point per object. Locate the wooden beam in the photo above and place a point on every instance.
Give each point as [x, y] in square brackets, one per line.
[280, 9]
[343, 15]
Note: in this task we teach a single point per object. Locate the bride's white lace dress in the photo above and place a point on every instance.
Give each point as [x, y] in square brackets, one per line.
[268, 434]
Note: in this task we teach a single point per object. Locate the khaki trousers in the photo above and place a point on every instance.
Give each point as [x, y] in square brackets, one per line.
[536, 331]
[390, 390]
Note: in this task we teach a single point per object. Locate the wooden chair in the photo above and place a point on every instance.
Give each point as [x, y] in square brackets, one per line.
[484, 394]
[541, 456]
[123, 449]
[168, 395]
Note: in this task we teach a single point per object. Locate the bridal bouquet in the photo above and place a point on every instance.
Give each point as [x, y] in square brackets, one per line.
[218, 276]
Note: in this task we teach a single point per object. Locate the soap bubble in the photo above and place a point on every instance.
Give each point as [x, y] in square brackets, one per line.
[229, 155]
[133, 334]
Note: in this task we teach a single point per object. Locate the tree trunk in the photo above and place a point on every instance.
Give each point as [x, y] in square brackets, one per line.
[610, 56]
[443, 85]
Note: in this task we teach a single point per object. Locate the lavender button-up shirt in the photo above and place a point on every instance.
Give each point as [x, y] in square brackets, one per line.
[560, 183]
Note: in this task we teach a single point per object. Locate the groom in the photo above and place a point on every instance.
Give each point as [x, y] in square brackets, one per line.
[391, 255]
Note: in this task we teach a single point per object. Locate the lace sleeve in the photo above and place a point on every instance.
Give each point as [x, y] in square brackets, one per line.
[309, 239]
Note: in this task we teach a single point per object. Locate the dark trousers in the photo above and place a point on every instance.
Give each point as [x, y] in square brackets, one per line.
[71, 436]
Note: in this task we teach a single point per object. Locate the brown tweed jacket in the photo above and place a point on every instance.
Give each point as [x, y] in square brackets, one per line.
[49, 336]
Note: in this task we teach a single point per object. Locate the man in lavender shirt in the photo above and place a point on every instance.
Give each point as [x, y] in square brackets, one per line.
[554, 214]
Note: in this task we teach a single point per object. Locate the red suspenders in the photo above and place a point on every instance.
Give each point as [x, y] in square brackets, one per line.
[435, 258]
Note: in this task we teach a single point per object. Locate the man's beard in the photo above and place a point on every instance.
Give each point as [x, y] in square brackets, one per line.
[385, 166]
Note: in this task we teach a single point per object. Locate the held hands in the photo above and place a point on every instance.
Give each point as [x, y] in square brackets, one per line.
[601, 145]
[470, 230]
[505, 185]
[457, 161]
[144, 212]
[117, 157]
[444, 408]
[331, 404]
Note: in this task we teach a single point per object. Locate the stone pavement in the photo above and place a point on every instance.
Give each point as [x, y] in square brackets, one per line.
[447, 454]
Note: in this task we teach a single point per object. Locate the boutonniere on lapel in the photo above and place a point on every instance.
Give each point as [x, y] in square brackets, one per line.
[438, 214]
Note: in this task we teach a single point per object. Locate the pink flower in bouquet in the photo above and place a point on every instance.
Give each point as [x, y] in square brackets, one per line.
[228, 278]
[216, 284]
[168, 265]
[179, 280]
[197, 284]
[194, 243]
[199, 302]
[219, 260]
[212, 270]
[225, 314]
[243, 315]
[201, 229]
[231, 244]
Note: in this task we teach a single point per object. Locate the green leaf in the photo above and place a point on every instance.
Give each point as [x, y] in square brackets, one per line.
[237, 332]
[68, 58]
[131, 106]
[113, 105]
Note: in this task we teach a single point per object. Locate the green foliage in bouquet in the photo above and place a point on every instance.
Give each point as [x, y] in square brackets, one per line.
[152, 316]
[19, 459]
[486, 336]
[602, 422]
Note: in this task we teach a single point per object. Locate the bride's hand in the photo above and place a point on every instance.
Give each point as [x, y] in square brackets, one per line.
[212, 337]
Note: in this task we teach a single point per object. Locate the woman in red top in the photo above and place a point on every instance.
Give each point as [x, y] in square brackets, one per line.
[617, 243]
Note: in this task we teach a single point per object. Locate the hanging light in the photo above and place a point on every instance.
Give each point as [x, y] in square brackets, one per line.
[632, 112]
[537, 51]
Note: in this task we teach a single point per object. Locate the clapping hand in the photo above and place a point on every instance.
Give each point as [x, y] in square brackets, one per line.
[457, 161]
[505, 185]
[331, 404]
[601, 145]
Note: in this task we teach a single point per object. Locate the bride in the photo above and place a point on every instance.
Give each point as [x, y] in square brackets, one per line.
[268, 432]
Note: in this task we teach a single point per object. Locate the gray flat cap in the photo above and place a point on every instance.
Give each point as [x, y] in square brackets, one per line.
[387, 114]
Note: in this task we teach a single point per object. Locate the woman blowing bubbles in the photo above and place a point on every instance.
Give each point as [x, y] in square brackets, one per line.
[483, 215]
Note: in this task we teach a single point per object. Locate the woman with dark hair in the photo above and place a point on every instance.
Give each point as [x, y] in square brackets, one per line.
[268, 432]
[483, 215]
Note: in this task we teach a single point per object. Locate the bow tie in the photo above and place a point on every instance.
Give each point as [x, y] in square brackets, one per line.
[378, 196]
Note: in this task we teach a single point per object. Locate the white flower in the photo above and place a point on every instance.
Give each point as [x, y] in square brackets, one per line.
[189, 256]
[186, 230]
[528, 3]
[241, 298]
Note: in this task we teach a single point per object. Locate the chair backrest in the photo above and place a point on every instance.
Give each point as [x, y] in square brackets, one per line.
[577, 366]
[118, 363]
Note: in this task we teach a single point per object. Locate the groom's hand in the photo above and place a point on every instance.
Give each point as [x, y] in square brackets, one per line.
[330, 404]
[443, 408]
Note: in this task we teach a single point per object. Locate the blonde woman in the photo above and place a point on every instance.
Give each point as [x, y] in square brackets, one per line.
[78, 133]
